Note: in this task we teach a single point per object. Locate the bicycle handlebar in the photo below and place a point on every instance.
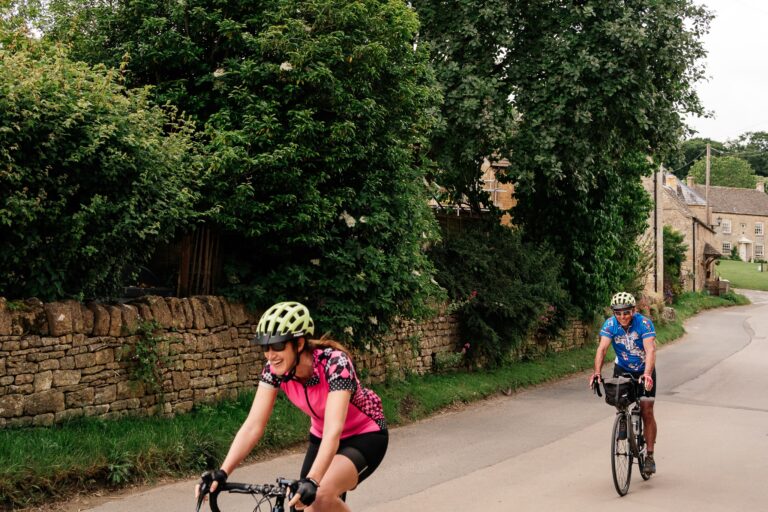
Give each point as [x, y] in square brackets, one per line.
[596, 386]
[278, 490]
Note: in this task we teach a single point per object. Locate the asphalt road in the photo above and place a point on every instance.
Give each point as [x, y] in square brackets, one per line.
[548, 448]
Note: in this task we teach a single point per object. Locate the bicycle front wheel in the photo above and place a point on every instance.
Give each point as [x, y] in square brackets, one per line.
[621, 455]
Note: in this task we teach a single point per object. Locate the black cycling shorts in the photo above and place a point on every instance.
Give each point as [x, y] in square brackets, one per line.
[651, 395]
[366, 451]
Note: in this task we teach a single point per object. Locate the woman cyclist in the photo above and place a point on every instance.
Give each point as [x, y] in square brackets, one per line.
[348, 434]
[633, 337]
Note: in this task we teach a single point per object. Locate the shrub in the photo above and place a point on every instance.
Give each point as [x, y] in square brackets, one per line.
[94, 177]
[674, 256]
[501, 289]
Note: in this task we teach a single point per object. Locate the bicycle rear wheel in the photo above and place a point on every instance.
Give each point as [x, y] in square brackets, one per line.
[621, 456]
[641, 450]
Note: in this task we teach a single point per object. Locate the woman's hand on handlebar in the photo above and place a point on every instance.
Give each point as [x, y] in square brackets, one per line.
[209, 482]
[304, 493]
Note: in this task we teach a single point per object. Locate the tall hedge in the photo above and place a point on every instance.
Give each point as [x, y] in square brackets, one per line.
[93, 177]
[315, 113]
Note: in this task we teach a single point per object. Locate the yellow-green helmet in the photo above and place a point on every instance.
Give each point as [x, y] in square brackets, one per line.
[622, 300]
[282, 322]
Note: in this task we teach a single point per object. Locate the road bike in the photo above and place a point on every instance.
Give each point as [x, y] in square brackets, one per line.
[627, 441]
[270, 496]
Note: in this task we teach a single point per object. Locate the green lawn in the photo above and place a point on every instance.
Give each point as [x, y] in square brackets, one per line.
[744, 275]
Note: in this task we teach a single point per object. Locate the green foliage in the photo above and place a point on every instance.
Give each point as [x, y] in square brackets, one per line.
[599, 86]
[148, 356]
[500, 287]
[94, 178]
[476, 117]
[725, 171]
[674, 256]
[689, 152]
[314, 122]
[753, 147]
[735, 254]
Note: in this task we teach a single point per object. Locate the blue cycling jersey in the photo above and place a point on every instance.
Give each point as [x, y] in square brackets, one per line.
[628, 344]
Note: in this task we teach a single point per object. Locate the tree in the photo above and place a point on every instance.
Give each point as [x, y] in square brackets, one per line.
[476, 116]
[690, 151]
[725, 171]
[315, 117]
[753, 147]
[599, 86]
[94, 177]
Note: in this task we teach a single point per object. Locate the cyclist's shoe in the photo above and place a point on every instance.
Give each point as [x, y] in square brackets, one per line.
[649, 465]
[622, 429]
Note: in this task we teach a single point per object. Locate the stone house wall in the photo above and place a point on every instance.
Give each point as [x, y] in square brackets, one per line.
[63, 360]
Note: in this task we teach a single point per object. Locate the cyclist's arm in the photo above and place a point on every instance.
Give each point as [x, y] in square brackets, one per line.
[602, 349]
[649, 345]
[253, 427]
[335, 415]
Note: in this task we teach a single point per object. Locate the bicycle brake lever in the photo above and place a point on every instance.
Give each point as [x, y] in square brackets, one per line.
[596, 387]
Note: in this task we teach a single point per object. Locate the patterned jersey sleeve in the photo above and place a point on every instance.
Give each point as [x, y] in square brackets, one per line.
[606, 329]
[269, 378]
[339, 371]
[649, 331]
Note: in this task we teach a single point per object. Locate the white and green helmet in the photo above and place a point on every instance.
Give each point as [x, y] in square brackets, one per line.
[622, 300]
[283, 322]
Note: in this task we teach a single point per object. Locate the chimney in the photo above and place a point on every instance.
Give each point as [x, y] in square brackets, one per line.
[690, 181]
[671, 180]
[761, 186]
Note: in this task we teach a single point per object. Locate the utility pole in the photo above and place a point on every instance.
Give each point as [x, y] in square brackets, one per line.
[706, 194]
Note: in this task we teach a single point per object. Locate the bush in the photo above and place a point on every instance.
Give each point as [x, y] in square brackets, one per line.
[674, 256]
[91, 180]
[501, 289]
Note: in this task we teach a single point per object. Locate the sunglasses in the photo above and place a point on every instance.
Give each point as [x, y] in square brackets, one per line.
[277, 347]
[626, 312]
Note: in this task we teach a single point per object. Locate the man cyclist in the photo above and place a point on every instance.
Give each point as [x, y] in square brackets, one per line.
[634, 340]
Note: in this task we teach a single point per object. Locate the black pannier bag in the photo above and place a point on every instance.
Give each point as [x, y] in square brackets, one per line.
[619, 391]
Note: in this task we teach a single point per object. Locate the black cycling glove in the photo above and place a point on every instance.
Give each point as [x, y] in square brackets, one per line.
[209, 477]
[307, 488]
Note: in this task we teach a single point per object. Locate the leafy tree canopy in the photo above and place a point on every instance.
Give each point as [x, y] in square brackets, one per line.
[94, 178]
[314, 115]
[753, 147]
[599, 86]
[725, 171]
[476, 118]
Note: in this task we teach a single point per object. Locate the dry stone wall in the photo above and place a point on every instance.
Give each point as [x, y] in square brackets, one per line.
[64, 360]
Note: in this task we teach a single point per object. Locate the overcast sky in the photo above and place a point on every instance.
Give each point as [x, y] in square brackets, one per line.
[737, 67]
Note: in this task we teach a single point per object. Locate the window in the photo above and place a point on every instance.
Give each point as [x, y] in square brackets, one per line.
[758, 228]
[759, 252]
[726, 247]
[743, 228]
[726, 225]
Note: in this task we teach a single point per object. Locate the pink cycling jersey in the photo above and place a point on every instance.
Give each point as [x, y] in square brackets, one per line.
[332, 370]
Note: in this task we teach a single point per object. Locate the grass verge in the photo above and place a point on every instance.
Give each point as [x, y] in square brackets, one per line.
[745, 275]
[38, 465]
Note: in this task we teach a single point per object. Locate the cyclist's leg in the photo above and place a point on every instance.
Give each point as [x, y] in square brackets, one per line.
[340, 477]
[649, 420]
[362, 453]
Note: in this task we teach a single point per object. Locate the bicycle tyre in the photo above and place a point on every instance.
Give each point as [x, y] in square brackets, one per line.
[621, 456]
[641, 451]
